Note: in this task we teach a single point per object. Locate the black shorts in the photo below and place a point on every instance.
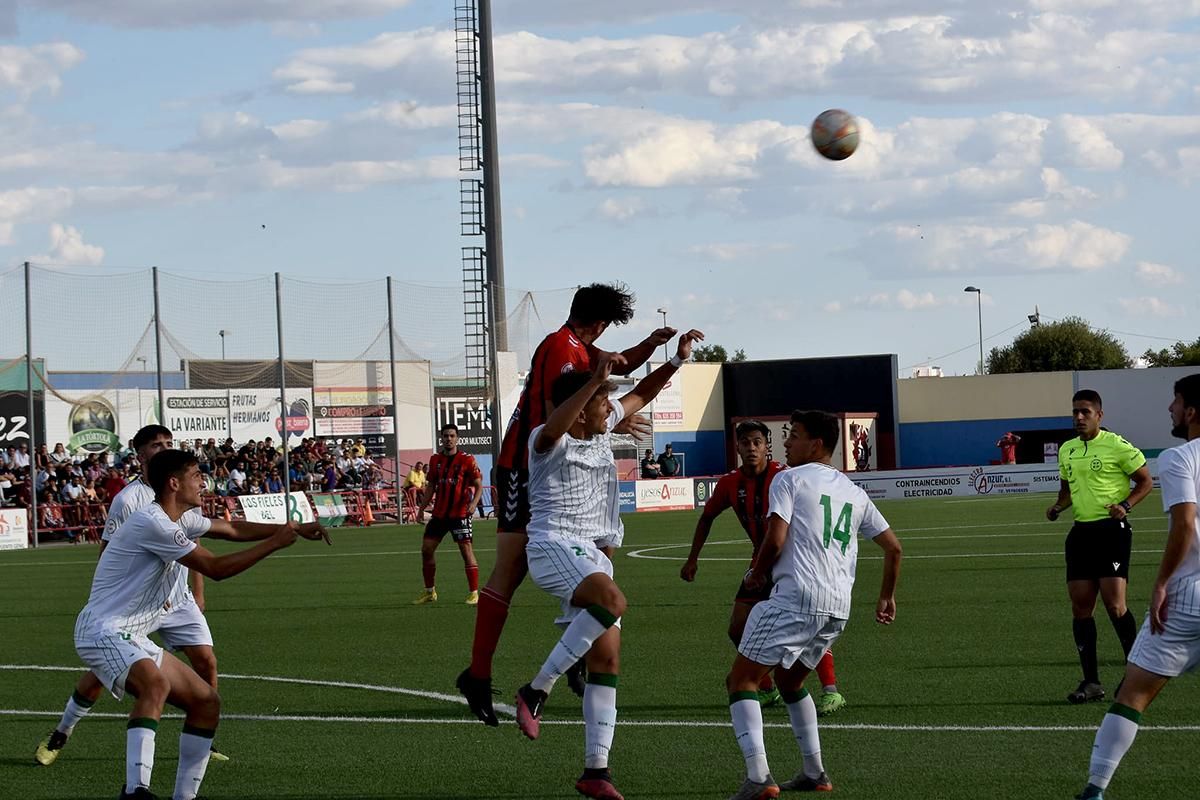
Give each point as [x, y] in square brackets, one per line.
[512, 500]
[752, 596]
[1099, 549]
[459, 529]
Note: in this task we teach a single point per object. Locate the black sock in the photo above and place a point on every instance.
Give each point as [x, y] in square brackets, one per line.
[1085, 642]
[1127, 631]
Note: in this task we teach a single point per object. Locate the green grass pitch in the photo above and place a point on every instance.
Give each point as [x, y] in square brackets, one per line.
[962, 698]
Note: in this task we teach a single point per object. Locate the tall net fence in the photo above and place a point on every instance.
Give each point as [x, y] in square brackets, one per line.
[208, 364]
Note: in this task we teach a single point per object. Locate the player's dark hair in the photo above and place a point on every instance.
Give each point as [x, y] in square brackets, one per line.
[167, 464]
[569, 383]
[148, 434]
[449, 426]
[819, 425]
[1189, 389]
[1088, 396]
[749, 426]
[603, 302]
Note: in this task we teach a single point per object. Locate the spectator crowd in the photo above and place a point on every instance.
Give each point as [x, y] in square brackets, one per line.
[73, 490]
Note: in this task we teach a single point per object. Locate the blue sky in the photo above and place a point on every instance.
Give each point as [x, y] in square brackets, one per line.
[1044, 150]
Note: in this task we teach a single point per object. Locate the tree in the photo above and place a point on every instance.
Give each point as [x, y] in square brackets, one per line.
[716, 354]
[1069, 344]
[1181, 354]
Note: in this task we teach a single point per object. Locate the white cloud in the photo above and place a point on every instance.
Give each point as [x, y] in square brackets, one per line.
[907, 57]
[902, 300]
[68, 248]
[976, 248]
[27, 70]
[1086, 145]
[1149, 307]
[737, 251]
[189, 13]
[1158, 274]
[622, 210]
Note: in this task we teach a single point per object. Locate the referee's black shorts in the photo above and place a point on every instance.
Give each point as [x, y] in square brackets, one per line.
[1099, 549]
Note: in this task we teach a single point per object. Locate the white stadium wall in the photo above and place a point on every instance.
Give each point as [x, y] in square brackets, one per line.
[1135, 402]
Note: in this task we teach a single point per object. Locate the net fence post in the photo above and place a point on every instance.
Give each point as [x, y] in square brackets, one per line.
[283, 403]
[158, 369]
[30, 406]
[395, 396]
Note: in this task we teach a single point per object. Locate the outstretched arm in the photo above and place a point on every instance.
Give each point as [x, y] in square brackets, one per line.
[640, 353]
[649, 387]
[221, 567]
[242, 531]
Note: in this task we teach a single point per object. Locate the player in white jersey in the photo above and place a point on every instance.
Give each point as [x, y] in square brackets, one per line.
[810, 552]
[575, 523]
[134, 587]
[1168, 644]
[184, 628]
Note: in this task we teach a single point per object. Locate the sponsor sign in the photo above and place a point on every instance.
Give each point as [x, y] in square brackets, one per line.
[1050, 452]
[243, 414]
[14, 529]
[374, 422]
[628, 496]
[14, 419]
[330, 509]
[92, 422]
[704, 489]
[667, 410]
[270, 508]
[961, 481]
[470, 415]
[666, 495]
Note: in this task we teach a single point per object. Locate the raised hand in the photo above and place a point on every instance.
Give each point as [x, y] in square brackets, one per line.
[636, 425]
[686, 341]
[661, 336]
[606, 362]
[314, 531]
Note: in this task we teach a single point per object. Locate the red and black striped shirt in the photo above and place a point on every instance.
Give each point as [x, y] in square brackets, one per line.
[748, 496]
[560, 352]
[453, 481]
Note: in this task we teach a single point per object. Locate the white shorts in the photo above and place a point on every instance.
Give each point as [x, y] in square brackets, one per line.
[777, 635]
[111, 657]
[558, 566]
[1174, 651]
[184, 626]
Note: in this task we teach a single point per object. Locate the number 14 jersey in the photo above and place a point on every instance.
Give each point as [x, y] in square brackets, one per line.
[826, 513]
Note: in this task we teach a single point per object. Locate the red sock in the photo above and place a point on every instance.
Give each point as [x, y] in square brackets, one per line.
[825, 670]
[490, 616]
[473, 578]
[766, 684]
[429, 570]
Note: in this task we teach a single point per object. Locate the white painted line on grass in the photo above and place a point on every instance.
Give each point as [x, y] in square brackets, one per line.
[642, 553]
[370, 687]
[631, 723]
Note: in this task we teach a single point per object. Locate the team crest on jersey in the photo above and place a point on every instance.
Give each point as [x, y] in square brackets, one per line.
[181, 539]
[110, 528]
[568, 367]
[1097, 464]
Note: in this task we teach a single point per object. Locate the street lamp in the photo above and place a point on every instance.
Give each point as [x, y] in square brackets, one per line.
[979, 299]
[223, 333]
[666, 352]
[143, 360]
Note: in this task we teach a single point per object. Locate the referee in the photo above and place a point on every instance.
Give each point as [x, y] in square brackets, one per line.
[1096, 468]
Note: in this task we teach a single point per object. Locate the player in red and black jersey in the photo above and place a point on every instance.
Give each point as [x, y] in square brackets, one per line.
[746, 490]
[571, 348]
[456, 483]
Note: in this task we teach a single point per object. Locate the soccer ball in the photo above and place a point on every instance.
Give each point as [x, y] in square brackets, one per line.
[835, 134]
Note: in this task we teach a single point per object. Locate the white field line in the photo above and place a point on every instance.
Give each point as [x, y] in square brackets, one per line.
[635, 723]
[370, 687]
[642, 553]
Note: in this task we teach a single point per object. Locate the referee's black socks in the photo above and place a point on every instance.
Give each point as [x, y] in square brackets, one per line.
[1085, 642]
[1127, 631]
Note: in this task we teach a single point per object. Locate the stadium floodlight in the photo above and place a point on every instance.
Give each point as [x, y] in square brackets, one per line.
[979, 297]
[223, 333]
[666, 352]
